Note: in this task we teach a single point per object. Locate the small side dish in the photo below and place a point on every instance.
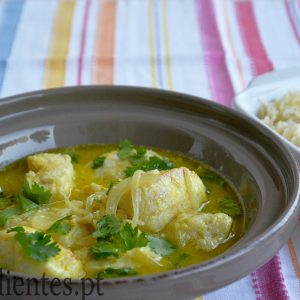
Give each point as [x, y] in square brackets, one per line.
[113, 210]
[283, 115]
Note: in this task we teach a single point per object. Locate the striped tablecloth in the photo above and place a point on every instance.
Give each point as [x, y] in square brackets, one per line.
[201, 47]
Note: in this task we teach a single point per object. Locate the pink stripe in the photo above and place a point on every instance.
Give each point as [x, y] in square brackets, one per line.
[292, 22]
[251, 38]
[83, 40]
[268, 281]
[218, 76]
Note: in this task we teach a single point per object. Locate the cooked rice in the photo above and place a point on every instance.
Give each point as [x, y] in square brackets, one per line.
[283, 115]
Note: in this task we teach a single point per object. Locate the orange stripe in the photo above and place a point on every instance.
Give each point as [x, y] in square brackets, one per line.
[294, 257]
[55, 68]
[231, 43]
[105, 43]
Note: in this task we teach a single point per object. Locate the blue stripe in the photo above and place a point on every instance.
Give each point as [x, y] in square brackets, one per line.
[11, 14]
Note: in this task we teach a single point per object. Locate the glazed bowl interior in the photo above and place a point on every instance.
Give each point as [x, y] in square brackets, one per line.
[254, 161]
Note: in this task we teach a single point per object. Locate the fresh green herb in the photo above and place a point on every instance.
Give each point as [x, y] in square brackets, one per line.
[105, 249]
[214, 177]
[160, 245]
[139, 157]
[153, 163]
[61, 226]
[36, 193]
[107, 227]
[230, 207]
[73, 155]
[110, 187]
[25, 203]
[125, 148]
[36, 245]
[112, 183]
[132, 238]
[115, 236]
[7, 213]
[120, 272]
[98, 162]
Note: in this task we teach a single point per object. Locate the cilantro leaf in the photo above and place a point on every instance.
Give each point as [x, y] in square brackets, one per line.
[25, 203]
[118, 272]
[125, 148]
[107, 227]
[230, 207]
[214, 177]
[7, 213]
[98, 162]
[16, 229]
[73, 155]
[60, 226]
[160, 246]
[36, 193]
[104, 249]
[36, 245]
[153, 163]
[132, 238]
[139, 157]
[112, 183]
[115, 236]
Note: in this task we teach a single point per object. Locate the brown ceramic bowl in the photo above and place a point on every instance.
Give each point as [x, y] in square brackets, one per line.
[258, 164]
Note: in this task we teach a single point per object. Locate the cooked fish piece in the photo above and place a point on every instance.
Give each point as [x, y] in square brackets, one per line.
[12, 257]
[53, 171]
[152, 199]
[205, 231]
[113, 167]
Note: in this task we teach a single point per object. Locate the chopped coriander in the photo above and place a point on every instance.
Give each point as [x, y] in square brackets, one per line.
[104, 249]
[25, 203]
[16, 229]
[61, 226]
[7, 213]
[153, 163]
[160, 245]
[230, 207]
[98, 162]
[119, 272]
[36, 245]
[125, 148]
[36, 193]
[112, 183]
[107, 227]
[132, 238]
[73, 155]
[214, 177]
[139, 156]
[115, 236]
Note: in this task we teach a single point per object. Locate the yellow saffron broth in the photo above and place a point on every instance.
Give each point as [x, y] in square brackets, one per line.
[12, 178]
